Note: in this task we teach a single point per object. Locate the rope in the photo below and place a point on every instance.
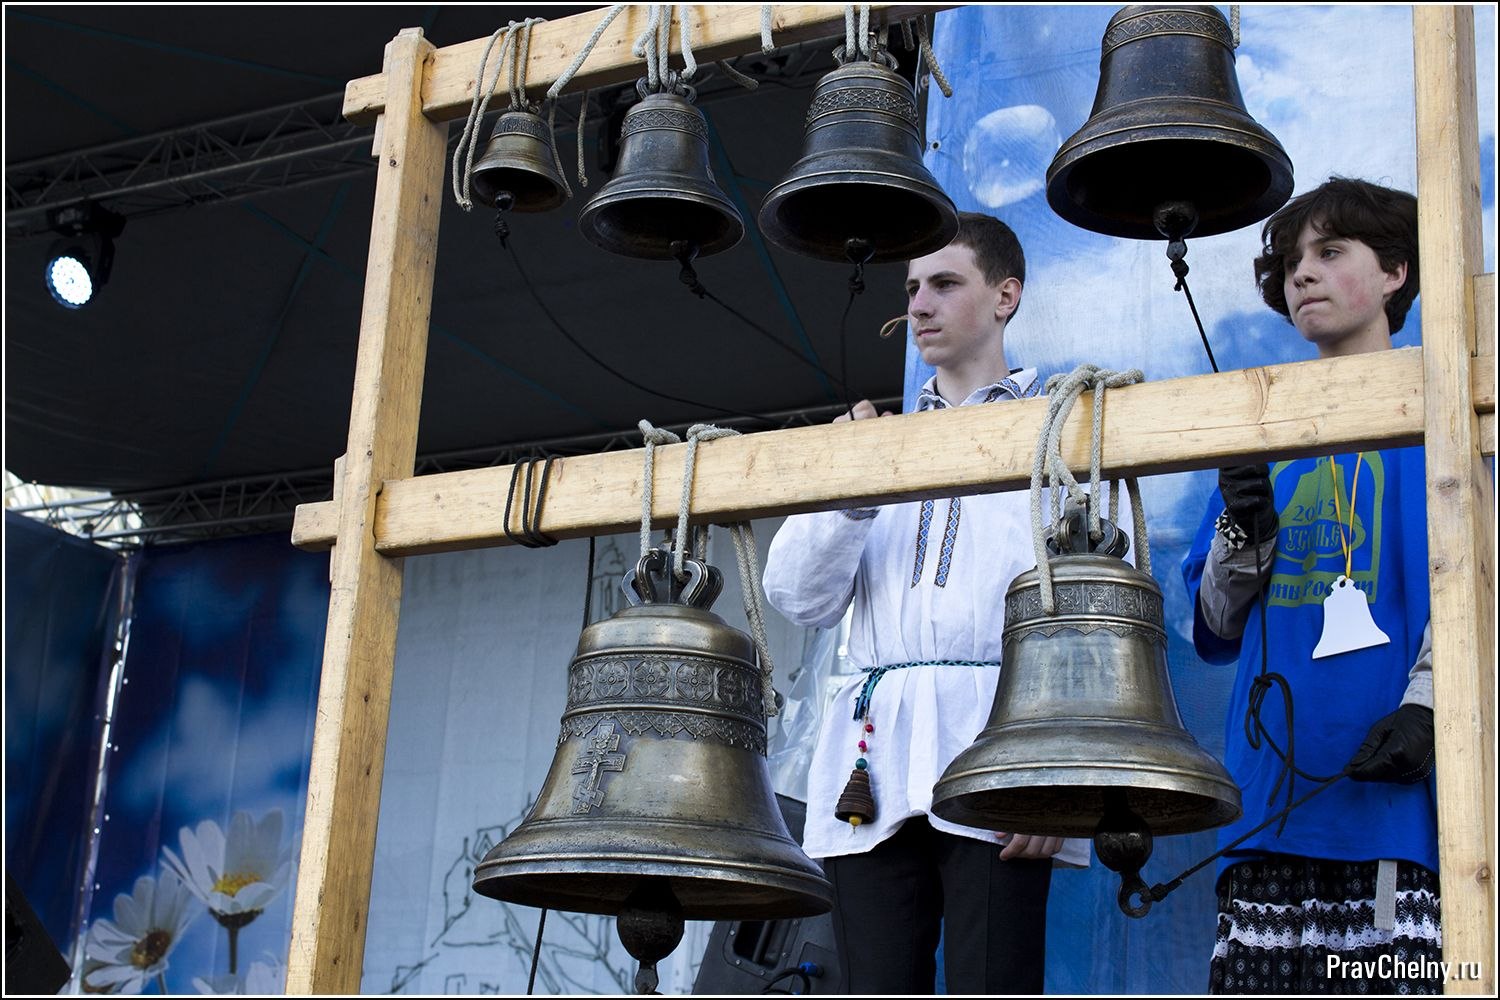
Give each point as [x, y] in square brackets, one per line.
[930, 58]
[696, 433]
[767, 45]
[1234, 23]
[482, 94]
[654, 436]
[552, 135]
[1062, 392]
[566, 76]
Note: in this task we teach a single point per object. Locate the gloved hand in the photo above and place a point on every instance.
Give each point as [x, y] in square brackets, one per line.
[1247, 497]
[1398, 748]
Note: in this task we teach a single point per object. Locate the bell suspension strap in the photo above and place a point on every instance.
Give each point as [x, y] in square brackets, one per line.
[746, 558]
[1062, 392]
[654, 436]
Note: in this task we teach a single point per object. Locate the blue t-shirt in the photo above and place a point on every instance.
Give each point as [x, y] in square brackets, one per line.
[1337, 698]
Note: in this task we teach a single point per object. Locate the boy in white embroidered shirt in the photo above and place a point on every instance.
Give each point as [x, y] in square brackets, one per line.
[928, 581]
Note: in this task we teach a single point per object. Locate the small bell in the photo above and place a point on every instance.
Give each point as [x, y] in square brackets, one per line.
[860, 181]
[518, 168]
[857, 804]
[663, 195]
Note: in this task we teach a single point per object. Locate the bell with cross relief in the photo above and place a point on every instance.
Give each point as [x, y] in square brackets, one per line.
[660, 786]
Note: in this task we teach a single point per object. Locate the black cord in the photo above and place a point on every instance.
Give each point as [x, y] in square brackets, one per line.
[1176, 252]
[844, 354]
[605, 365]
[531, 536]
[787, 974]
[536, 951]
[685, 252]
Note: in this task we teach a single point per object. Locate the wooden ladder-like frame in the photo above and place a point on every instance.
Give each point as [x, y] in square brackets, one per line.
[1441, 394]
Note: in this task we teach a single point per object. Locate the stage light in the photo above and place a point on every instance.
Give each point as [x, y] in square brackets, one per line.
[79, 263]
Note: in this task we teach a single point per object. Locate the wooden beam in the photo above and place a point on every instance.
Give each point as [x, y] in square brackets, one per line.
[1279, 411]
[720, 31]
[348, 756]
[1460, 492]
[1484, 357]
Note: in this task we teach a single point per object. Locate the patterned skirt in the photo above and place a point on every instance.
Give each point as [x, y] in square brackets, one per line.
[1290, 924]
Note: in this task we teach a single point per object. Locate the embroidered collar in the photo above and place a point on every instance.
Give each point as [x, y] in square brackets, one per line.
[1021, 383]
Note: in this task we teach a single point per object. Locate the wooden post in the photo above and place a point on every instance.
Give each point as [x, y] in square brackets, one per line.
[348, 757]
[1460, 494]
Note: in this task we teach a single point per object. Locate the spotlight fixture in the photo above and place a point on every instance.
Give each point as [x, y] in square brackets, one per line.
[79, 262]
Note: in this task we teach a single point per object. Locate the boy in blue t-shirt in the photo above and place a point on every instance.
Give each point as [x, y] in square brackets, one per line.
[1312, 576]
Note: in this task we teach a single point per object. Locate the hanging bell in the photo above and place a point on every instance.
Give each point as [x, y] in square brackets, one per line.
[663, 191]
[1168, 125]
[1084, 710]
[861, 176]
[519, 162]
[660, 786]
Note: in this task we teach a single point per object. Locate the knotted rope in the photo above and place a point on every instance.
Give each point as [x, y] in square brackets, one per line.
[1062, 392]
[746, 557]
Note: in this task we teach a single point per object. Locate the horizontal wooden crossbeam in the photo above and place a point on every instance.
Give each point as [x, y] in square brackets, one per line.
[448, 91]
[1274, 412]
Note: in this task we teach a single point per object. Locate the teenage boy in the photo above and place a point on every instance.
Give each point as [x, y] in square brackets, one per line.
[1312, 575]
[927, 581]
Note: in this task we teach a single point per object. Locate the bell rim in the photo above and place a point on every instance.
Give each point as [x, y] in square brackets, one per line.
[772, 228]
[589, 229]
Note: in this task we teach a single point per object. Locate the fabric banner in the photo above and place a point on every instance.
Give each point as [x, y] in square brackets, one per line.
[207, 767]
[61, 599]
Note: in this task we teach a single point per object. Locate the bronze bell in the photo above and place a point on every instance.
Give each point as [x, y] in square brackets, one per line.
[1168, 125]
[519, 160]
[861, 176]
[660, 785]
[1084, 710]
[663, 191]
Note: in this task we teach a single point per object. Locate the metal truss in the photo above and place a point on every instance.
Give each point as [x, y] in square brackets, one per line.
[271, 150]
[276, 149]
[259, 504]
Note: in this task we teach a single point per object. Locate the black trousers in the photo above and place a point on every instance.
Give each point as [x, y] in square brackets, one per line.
[892, 903]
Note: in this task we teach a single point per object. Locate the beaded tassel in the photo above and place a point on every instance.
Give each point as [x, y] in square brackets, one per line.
[857, 805]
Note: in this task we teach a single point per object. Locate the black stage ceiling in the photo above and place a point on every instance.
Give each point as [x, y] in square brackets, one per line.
[223, 345]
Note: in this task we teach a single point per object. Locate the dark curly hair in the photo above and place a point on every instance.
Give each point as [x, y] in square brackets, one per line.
[996, 249]
[1383, 219]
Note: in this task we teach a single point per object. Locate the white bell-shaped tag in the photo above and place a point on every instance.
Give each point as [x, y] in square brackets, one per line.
[1347, 624]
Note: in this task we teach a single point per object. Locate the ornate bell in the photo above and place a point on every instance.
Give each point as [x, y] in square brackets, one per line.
[1084, 710]
[663, 191]
[519, 161]
[1168, 125]
[861, 176]
[660, 789]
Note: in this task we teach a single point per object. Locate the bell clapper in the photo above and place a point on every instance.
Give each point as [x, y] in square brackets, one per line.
[1123, 842]
[685, 252]
[1176, 220]
[859, 251]
[650, 927]
[504, 201]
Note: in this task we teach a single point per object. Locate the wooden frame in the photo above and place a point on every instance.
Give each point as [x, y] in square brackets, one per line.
[1442, 393]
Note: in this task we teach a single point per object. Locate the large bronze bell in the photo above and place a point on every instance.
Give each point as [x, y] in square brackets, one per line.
[518, 168]
[1084, 710]
[663, 191]
[1168, 125]
[861, 176]
[660, 790]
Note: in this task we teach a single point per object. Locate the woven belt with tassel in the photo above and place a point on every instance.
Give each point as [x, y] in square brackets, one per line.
[857, 804]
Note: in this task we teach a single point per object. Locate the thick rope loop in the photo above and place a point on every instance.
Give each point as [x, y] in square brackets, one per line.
[1062, 392]
[654, 436]
[930, 58]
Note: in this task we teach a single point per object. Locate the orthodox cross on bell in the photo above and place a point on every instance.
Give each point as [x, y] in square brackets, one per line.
[598, 758]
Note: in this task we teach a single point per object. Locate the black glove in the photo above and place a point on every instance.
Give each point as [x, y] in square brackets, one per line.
[1247, 499]
[1398, 748]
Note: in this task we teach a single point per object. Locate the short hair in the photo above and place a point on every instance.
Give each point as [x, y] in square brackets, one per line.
[1383, 219]
[996, 249]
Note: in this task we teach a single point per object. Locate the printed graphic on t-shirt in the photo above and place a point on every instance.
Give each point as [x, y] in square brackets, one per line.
[1309, 549]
